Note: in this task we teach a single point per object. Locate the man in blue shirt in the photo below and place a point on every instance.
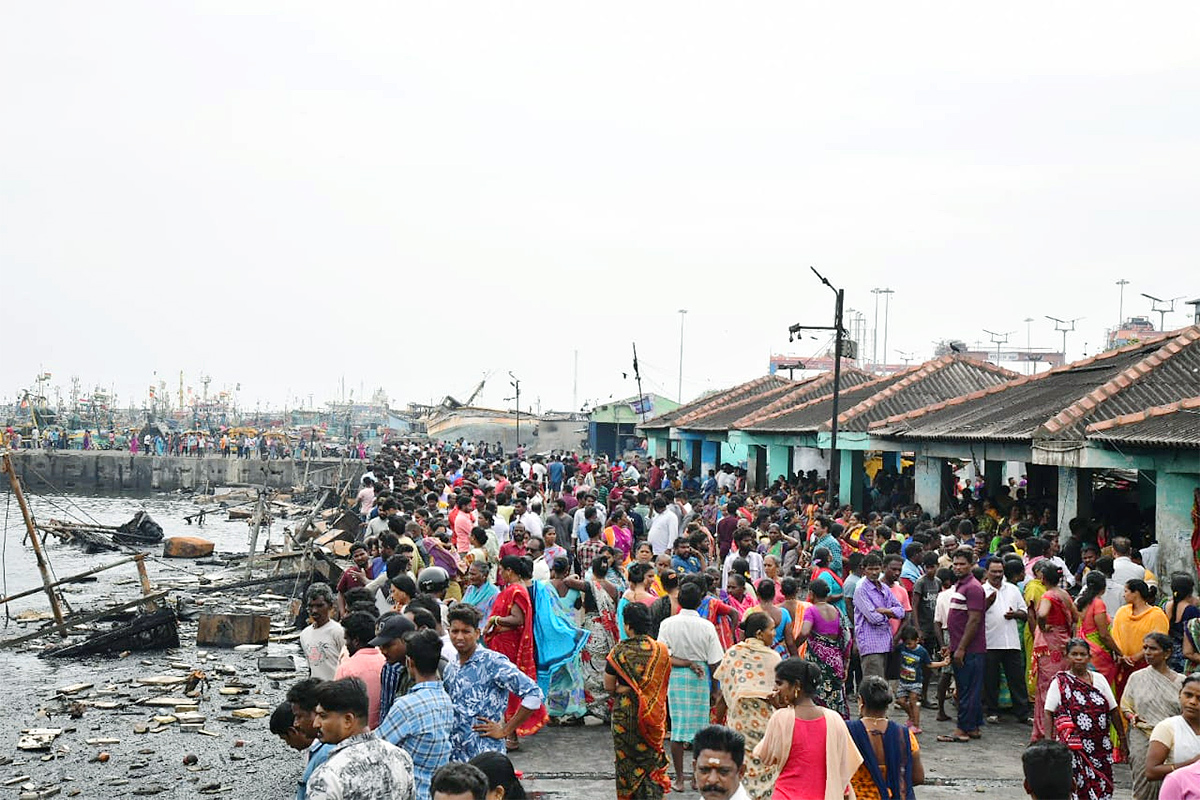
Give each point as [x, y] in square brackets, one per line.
[479, 682]
[827, 535]
[684, 561]
[555, 472]
[420, 721]
[293, 721]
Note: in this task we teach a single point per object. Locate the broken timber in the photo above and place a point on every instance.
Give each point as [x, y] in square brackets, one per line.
[75, 622]
[230, 630]
[157, 630]
[33, 537]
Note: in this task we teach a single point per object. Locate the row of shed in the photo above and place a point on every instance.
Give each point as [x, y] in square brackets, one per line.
[1136, 408]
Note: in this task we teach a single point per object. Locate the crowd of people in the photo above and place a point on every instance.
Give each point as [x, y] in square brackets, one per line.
[493, 594]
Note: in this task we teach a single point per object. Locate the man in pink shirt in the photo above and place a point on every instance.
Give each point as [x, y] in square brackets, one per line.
[364, 662]
[893, 564]
[463, 522]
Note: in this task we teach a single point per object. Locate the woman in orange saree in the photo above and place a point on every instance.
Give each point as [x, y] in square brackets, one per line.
[509, 631]
[636, 675]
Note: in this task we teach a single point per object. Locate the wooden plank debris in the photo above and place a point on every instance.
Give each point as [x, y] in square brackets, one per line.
[230, 630]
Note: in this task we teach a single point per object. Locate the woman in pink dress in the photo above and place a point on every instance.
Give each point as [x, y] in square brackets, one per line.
[810, 744]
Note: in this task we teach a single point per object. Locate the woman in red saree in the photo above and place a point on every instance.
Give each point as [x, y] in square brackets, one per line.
[636, 675]
[1055, 620]
[509, 631]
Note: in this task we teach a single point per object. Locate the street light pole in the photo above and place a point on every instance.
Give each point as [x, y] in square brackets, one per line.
[887, 306]
[516, 384]
[1028, 346]
[679, 393]
[1121, 307]
[875, 332]
[835, 463]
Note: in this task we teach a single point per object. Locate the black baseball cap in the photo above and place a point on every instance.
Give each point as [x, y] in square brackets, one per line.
[394, 627]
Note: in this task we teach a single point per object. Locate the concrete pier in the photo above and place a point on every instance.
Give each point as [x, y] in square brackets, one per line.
[115, 471]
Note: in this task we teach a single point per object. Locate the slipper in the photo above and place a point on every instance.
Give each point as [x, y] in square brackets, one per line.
[975, 735]
[955, 739]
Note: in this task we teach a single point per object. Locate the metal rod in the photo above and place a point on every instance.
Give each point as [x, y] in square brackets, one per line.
[33, 537]
[71, 579]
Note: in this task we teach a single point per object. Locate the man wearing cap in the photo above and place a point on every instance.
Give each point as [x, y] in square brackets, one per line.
[394, 680]
[420, 721]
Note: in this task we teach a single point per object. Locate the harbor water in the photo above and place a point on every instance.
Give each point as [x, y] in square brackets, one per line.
[261, 767]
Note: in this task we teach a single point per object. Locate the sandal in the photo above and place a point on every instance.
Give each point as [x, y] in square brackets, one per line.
[945, 737]
[975, 735]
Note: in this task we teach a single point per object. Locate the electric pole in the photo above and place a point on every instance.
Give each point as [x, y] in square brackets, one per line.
[998, 339]
[1060, 325]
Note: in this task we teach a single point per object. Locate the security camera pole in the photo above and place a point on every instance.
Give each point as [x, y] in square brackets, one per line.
[835, 462]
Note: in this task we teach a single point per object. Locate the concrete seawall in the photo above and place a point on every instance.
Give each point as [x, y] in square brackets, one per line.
[113, 471]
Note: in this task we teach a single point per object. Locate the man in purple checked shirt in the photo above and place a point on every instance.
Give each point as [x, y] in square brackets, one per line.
[874, 608]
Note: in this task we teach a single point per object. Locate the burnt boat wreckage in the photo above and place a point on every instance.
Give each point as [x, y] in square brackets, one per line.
[316, 550]
[141, 531]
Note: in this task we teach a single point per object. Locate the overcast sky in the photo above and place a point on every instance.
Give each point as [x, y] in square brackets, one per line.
[411, 195]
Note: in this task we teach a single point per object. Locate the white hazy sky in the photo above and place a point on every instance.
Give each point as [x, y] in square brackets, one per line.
[412, 195]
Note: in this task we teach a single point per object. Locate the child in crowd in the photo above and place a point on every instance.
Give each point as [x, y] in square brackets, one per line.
[914, 660]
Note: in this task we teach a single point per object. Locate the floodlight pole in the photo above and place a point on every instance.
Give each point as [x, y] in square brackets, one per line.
[838, 338]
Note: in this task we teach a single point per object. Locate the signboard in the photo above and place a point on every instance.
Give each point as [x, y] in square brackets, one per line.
[643, 405]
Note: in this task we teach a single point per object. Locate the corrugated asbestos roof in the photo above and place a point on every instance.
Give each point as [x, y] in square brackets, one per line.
[716, 400]
[800, 412]
[932, 382]
[1173, 425]
[1055, 405]
[719, 417]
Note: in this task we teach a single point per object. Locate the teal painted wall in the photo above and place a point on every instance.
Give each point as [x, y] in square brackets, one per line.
[1173, 522]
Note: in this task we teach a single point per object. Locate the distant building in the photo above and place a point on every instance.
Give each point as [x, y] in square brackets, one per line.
[611, 427]
[1131, 330]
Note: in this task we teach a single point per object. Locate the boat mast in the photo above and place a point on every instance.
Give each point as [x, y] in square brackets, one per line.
[33, 537]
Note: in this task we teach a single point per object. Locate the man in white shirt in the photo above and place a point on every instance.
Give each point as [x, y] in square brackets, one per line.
[322, 642]
[589, 501]
[726, 479]
[719, 767]
[692, 640]
[535, 548]
[745, 549]
[530, 519]
[1124, 570]
[664, 528]
[1005, 606]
